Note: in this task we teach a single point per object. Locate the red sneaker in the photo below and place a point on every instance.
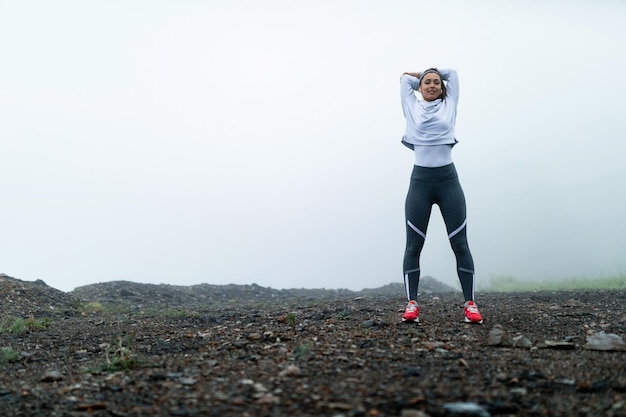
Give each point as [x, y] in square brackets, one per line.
[411, 312]
[472, 315]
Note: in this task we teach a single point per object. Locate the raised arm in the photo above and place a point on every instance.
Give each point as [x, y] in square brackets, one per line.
[451, 78]
[409, 81]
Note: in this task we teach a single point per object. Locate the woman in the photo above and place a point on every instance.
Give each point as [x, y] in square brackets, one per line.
[430, 134]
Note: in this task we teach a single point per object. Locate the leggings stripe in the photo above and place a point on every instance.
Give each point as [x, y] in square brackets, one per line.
[406, 286]
[415, 229]
[451, 235]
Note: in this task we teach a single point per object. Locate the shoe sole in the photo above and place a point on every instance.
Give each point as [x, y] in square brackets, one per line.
[473, 322]
[417, 320]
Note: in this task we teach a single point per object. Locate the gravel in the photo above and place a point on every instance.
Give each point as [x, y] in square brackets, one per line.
[126, 349]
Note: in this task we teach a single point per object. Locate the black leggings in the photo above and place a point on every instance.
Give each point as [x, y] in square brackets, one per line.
[436, 186]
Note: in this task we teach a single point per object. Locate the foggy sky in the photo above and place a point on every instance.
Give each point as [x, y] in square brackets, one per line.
[259, 142]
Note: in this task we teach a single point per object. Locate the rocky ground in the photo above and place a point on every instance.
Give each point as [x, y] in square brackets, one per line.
[126, 349]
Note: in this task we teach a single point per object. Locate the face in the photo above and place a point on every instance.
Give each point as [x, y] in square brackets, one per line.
[430, 87]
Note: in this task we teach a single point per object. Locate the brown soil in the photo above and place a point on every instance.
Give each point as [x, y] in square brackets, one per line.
[253, 351]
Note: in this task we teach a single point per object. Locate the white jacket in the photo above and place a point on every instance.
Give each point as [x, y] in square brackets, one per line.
[429, 122]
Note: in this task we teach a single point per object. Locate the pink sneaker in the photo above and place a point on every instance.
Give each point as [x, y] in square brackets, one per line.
[411, 312]
[472, 315]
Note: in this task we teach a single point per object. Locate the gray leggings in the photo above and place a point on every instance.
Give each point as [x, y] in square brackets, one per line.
[436, 186]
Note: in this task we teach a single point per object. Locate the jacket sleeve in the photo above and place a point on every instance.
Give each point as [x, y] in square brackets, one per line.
[451, 78]
[408, 85]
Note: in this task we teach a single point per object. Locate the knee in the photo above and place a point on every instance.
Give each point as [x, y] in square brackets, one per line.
[413, 249]
[460, 246]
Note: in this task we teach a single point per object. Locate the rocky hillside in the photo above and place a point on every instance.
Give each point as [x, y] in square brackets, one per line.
[25, 298]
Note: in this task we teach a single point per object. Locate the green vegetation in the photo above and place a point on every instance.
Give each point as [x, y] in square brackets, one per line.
[302, 351]
[93, 307]
[15, 325]
[291, 319]
[512, 284]
[344, 314]
[177, 313]
[120, 358]
[8, 355]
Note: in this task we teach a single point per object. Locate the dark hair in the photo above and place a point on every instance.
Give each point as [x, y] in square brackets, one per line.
[444, 90]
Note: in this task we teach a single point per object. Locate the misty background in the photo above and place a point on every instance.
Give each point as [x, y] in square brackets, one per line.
[259, 142]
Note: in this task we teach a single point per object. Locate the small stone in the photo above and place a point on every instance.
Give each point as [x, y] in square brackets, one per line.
[605, 341]
[412, 371]
[555, 344]
[565, 381]
[465, 409]
[496, 336]
[413, 413]
[258, 387]
[51, 376]
[339, 406]
[291, 370]
[187, 381]
[91, 407]
[268, 399]
[521, 341]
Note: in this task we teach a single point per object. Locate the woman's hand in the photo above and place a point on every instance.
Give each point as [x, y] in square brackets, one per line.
[413, 74]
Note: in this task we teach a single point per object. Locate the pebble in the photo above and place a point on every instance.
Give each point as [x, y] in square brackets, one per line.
[496, 335]
[521, 341]
[605, 341]
[465, 409]
[559, 344]
[413, 413]
[187, 381]
[291, 370]
[51, 376]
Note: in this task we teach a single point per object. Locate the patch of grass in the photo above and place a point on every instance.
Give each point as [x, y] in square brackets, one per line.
[512, 284]
[16, 325]
[32, 323]
[99, 308]
[178, 313]
[302, 351]
[291, 319]
[8, 355]
[344, 314]
[92, 307]
[120, 357]
[76, 303]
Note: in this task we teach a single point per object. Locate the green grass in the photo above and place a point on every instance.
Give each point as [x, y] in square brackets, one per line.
[8, 355]
[176, 313]
[13, 325]
[302, 351]
[344, 314]
[93, 307]
[512, 284]
[291, 319]
[119, 357]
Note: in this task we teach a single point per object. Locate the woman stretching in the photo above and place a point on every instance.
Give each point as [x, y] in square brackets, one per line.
[430, 134]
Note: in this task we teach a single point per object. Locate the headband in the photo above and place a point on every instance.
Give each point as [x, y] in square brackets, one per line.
[429, 71]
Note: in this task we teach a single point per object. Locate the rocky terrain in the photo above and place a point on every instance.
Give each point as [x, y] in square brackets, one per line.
[128, 349]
